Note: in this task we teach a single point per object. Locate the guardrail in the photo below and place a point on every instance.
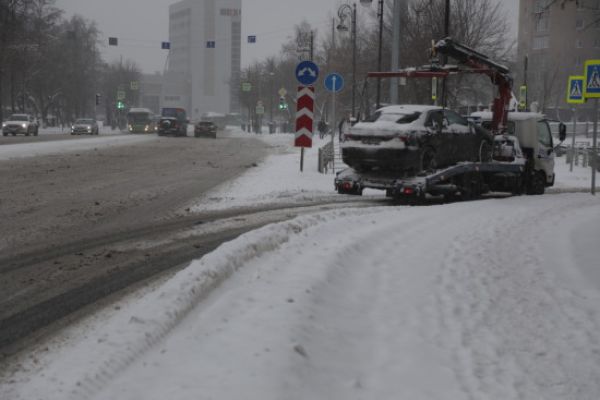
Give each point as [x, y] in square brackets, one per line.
[326, 155]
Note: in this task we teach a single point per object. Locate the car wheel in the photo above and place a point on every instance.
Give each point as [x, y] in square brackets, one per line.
[485, 151]
[4, 134]
[428, 162]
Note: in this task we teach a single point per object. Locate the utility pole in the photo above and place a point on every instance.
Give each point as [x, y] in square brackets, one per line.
[380, 51]
[400, 6]
[444, 56]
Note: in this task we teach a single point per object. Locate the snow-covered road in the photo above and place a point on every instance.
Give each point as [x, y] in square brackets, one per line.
[494, 299]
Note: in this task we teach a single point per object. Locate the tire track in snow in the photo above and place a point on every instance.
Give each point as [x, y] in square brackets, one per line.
[517, 333]
[376, 319]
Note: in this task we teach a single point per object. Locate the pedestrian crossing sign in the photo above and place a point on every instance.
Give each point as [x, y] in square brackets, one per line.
[575, 90]
[591, 88]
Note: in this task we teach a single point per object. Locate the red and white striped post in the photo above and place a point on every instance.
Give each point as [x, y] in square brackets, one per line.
[305, 105]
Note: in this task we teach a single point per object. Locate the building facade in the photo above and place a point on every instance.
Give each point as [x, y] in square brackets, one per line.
[151, 91]
[555, 40]
[204, 64]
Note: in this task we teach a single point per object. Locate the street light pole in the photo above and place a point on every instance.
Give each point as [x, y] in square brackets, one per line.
[354, 60]
[380, 52]
[445, 57]
[345, 8]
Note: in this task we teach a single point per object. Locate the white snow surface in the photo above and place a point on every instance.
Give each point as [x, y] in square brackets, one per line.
[495, 299]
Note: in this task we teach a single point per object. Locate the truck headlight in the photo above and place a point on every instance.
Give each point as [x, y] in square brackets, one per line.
[24, 126]
[4, 125]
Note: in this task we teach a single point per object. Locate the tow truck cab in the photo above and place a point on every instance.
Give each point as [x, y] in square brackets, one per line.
[535, 139]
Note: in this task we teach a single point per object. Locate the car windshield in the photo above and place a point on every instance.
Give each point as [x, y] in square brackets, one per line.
[84, 122]
[18, 118]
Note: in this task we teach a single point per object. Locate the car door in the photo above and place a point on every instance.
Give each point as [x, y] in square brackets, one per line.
[463, 138]
[439, 137]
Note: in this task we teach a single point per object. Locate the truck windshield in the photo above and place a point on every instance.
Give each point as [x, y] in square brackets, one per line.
[139, 118]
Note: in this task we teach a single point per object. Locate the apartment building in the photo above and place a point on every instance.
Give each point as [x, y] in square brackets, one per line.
[556, 37]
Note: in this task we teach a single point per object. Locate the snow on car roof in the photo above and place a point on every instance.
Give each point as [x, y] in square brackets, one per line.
[407, 108]
[512, 116]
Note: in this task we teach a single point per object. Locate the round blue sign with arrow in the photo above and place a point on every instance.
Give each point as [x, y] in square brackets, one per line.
[307, 73]
[334, 82]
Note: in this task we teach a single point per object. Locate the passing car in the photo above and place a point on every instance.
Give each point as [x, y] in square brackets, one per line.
[23, 124]
[205, 129]
[173, 121]
[85, 126]
[410, 139]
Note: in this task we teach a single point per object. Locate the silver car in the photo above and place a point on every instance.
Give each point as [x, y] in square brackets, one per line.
[85, 126]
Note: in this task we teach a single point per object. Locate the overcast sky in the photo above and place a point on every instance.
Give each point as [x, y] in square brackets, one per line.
[141, 25]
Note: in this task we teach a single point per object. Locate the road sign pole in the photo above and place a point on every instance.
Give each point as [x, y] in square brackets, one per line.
[573, 139]
[595, 148]
[334, 125]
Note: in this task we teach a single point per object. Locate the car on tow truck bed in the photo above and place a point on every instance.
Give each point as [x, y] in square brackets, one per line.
[409, 139]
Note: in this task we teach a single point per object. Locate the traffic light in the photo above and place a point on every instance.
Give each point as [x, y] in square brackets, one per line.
[113, 41]
[282, 104]
[98, 99]
[120, 105]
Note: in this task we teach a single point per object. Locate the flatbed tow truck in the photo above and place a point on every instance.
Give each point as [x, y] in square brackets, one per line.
[510, 168]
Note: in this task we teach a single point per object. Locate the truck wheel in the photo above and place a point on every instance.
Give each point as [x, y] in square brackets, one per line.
[537, 184]
[485, 151]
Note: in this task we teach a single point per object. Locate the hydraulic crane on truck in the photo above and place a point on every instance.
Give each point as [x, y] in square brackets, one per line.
[471, 62]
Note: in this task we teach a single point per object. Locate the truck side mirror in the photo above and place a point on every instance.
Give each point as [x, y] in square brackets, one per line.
[562, 132]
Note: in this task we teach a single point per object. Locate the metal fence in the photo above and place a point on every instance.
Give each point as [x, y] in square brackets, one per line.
[326, 154]
[582, 155]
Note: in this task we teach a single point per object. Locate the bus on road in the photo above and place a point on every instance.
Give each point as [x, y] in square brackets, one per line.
[141, 120]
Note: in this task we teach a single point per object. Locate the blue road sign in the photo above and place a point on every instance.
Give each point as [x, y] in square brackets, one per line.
[334, 82]
[165, 45]
[307, 73]
[252, 39]
[575, 90]
[211, 44]
[592, 79]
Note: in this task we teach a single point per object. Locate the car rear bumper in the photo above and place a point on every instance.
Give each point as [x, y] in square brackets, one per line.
[381, 158]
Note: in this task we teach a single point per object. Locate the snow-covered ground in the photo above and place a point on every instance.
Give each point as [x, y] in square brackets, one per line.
[491, 299]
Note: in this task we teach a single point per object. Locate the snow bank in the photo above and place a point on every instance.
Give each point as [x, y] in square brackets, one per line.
[277, 179]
